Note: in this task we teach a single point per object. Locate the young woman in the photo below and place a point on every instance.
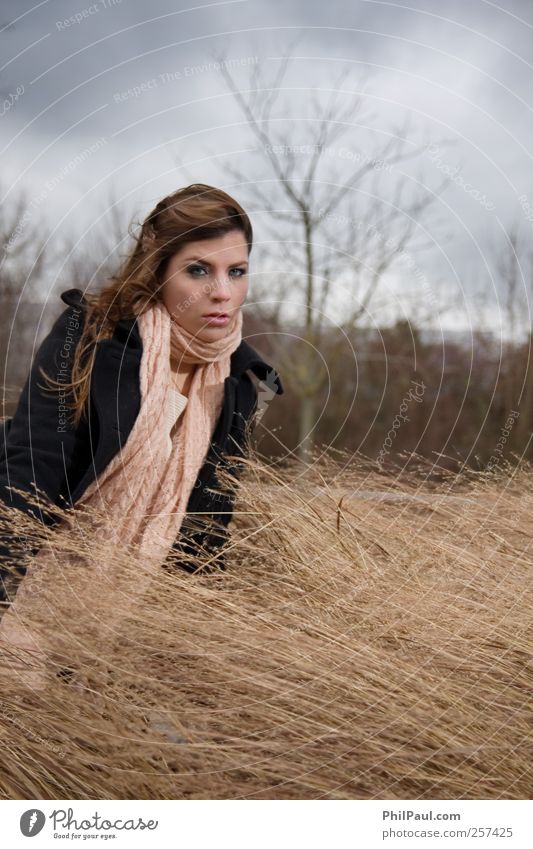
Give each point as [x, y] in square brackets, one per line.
[141, 391]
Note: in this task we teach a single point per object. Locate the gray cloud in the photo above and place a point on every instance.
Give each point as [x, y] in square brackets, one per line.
[132, 83]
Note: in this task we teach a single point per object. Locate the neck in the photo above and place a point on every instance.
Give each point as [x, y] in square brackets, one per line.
[182, 368]
[182, 376]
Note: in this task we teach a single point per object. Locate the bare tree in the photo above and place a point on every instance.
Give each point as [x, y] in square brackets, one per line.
[338, 226]
[23, 238]
[514, 268]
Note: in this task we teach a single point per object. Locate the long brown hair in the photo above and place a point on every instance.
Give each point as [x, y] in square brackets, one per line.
[195, 212]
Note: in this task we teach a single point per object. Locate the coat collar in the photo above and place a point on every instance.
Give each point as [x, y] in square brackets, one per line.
[244, 357]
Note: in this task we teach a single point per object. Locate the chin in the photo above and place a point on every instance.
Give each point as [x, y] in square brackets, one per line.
[211, 332]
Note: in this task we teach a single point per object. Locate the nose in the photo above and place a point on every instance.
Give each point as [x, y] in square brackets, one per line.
[221, 288]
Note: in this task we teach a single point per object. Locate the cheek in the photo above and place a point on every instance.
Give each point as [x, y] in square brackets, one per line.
[179, 291]
[242, 292]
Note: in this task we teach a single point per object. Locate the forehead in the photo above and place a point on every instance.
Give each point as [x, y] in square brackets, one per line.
[230, 247]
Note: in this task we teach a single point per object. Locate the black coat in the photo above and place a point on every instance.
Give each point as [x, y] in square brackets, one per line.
[41, 445]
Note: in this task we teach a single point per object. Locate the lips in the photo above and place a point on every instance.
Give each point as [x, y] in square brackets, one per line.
[218, 319]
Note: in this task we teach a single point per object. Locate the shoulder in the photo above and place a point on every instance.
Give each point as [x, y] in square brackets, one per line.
[74, 298]
[71, 316]
[63, 336]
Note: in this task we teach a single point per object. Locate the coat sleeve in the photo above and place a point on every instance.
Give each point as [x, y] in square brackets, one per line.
[39, 441]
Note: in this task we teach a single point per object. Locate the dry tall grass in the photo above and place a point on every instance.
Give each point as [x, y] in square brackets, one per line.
[355, 647]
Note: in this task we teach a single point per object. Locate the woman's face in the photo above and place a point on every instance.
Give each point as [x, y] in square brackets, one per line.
[207, 276]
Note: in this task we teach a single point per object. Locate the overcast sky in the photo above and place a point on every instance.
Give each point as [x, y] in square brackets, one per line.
[129, 85]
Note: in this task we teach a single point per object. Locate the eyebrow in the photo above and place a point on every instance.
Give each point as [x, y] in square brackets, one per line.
[206, 262]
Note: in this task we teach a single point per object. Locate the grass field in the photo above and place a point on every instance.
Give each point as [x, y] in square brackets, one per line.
[370, 638]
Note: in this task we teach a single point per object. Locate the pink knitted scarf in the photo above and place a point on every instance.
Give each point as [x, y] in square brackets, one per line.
[146, 486]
